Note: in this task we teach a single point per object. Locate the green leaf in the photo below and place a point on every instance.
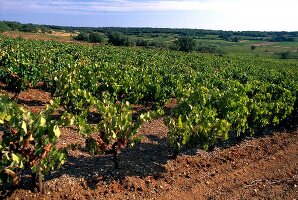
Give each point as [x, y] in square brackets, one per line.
[15, 157]
[8, 118]
[24, 126]
[1, 121]
[21, 165]
[42, 122]
[56, 131]
[22, 109]
[114, 135]
[2, 115]
[26, 115]
[72, 120]
[180, 125]
[185, 139]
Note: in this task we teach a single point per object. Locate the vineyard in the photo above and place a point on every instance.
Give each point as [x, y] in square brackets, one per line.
[96, 89]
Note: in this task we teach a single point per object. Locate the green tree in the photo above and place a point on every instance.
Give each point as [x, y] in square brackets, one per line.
[44, 29]
[186, 43]
[3, 27]
[143, 43]
[128, 41]
[82, 36]
[29, 28]
[285, 55]
[253, 47]
[118, 39]
[14, 25]
[96, 37]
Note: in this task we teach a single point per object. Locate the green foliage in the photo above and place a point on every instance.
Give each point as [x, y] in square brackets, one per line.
[14, 25]
[282, 38]
[44, 29]
[217, 96]
[73, 98]
[29, 28]
[210, 49]
[159, 44]
[269, 104]
[196, 120]
[3, 27]
[285, 55]
[28, 140]
[186, 43]
[143, 43]
[92, 37]
[96, 37]
[118, 39]
[17, 71]
[206, 115]
[82, 36]
[116, 126]
[229, 36]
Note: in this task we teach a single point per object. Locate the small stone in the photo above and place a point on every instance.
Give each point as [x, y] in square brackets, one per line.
[187, 176]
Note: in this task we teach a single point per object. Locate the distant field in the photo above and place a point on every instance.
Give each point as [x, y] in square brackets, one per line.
[206, 43]
[264, 48]
[54, 35]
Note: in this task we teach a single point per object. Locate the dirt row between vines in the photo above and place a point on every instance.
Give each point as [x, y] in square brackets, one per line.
[256, 168]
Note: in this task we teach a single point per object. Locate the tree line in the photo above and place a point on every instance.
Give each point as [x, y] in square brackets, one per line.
[185, 39]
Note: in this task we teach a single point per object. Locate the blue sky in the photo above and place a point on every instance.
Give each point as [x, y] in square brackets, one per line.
[270, 15]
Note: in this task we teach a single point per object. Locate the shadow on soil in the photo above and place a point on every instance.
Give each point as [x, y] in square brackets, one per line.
[145, 159]
[31, 102]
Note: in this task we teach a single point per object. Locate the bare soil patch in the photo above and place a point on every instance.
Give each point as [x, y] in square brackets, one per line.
[55, 36]
[264, 44]
[62, 34]
[256, 168]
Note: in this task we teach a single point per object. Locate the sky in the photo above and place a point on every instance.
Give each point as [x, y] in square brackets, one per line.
[237, 15]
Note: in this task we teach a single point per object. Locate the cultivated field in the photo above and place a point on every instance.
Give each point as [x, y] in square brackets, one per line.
[145, 123]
